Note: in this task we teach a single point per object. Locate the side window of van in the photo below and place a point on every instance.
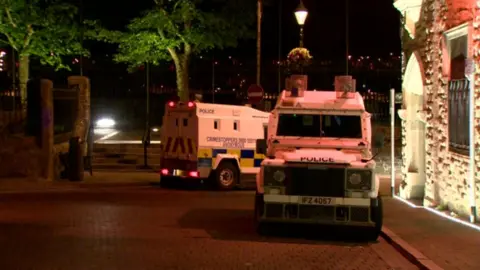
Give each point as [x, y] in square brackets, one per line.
[216, 124]
[265, 131]
[235, 125]
[185, 122]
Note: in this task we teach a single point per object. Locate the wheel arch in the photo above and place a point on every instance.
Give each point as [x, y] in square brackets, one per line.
[226, 158]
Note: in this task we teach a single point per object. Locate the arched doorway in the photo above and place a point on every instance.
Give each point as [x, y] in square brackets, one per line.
[413, 89]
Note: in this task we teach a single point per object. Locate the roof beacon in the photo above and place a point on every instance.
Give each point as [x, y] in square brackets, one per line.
[345, 87]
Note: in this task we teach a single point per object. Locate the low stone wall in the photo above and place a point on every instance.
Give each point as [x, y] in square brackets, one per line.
[58, 167]
[19, 157]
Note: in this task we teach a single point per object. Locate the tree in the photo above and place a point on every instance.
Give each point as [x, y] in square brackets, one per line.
[45, 29]
[175, 30]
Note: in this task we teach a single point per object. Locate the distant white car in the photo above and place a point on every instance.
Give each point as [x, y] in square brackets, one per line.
[105, 123]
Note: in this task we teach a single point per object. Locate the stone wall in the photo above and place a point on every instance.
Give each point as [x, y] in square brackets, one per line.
[19, 156]
[22, 156]
[446, 172]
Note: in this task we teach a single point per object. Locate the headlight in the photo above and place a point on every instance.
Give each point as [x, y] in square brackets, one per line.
[274, 176]
[279, 176]
[359, 180]
[355, 179]
[105, 123]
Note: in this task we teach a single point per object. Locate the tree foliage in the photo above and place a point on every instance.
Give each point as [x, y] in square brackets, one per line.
[174, 29]
[46, 29]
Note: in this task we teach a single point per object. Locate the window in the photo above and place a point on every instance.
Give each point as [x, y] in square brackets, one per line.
[216, 124]
[305, 125]
[299, 125]
[235, 125]
[458, 90]
[341, 126]
[458, 116]
[185, 122]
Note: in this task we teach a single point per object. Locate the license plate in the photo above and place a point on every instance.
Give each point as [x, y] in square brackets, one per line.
[317, 200]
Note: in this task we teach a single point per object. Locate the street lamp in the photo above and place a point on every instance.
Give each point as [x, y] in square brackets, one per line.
[301, 14]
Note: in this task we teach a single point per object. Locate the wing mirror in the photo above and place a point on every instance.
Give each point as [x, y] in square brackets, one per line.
[378, 142]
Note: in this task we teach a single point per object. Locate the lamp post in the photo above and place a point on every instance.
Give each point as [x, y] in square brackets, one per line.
[301, 14]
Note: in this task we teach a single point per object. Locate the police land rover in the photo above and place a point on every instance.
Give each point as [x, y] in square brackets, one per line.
[319, 167]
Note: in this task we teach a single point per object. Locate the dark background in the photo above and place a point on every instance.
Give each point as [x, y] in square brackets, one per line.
[374, 44]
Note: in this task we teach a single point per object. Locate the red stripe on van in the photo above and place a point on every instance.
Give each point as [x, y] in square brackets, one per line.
[182, 144]
[190, 146]
[179, 142]
[169, 144]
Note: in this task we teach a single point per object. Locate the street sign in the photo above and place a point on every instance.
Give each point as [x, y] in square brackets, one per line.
[255, 94]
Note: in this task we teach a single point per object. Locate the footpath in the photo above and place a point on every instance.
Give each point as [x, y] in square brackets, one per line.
[98, 179]
[431, 241]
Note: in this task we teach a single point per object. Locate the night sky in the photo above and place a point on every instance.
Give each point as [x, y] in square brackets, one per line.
[373, 26]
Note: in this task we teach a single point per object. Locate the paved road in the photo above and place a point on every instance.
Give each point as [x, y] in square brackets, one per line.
[153, 228]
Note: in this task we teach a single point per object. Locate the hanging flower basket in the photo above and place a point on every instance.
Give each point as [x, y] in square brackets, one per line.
[297, 60]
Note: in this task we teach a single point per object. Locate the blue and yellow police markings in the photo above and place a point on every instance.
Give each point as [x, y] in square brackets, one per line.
[247, 157]
[180, 145]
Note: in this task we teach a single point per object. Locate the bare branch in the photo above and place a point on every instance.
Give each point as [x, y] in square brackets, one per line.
[177, 33]
[9, 15]
[172, 52]
[28, 37]
[11, 42]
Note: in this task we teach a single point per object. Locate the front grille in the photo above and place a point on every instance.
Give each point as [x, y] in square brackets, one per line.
[359, 214]
[325, 182]
[274, 210]
[325, 213]
[318, 213]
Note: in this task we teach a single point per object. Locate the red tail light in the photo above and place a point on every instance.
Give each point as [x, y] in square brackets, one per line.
[164, 171]
[193, 174]
[171, 104]
[191, 104]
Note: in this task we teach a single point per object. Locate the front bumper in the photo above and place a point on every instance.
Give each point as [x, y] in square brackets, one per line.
[340, 211]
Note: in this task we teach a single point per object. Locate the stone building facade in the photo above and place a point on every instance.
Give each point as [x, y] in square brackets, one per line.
[441, 65]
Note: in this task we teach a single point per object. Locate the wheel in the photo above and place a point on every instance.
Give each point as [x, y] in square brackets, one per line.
[226, 177]
[377, 218]
[260, 227]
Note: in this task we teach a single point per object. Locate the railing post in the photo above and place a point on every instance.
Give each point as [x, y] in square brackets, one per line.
[47, 132]
[75, 160]
[392, 139]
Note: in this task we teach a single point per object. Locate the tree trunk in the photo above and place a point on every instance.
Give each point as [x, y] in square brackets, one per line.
[23, 67]
[182, 78]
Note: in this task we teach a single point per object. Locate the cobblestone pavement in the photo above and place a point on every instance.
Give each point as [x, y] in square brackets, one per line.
[153, 228]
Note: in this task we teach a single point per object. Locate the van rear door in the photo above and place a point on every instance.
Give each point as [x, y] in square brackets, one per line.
[181, 132]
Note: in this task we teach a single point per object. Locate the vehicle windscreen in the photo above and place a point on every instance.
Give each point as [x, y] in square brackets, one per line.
[314, 125]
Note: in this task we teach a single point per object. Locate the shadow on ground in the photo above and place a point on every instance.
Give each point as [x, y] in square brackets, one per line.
[195, 184]
[238, 225]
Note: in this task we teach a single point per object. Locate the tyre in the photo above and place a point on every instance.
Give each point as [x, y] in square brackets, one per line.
[226, 176]
[260, 227]
[377, 218]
